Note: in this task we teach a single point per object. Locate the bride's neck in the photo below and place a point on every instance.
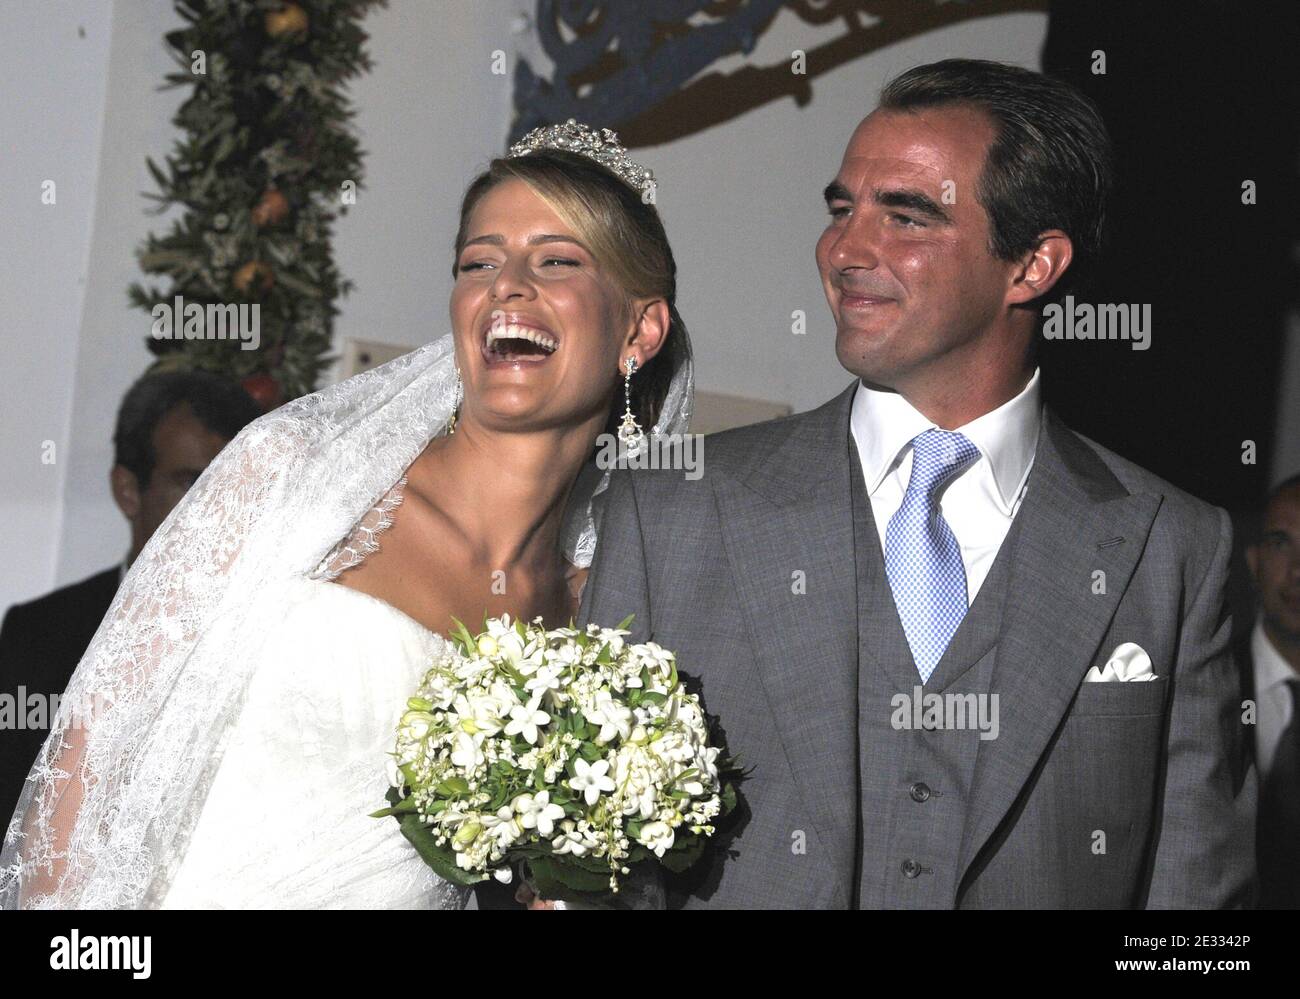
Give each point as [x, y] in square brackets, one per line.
[506, 491]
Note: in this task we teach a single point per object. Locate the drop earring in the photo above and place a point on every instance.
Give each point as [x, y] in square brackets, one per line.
[455, 412]
[629, 431]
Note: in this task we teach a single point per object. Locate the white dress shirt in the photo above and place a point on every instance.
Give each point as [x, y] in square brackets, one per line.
[979, 504]
[1273, 706]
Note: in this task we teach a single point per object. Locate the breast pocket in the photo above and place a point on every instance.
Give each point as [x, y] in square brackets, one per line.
[1119, 698]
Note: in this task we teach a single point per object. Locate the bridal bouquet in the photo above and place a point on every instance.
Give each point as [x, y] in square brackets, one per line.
[574, 752]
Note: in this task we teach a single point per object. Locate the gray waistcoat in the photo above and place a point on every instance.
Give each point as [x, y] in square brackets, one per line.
[914, 780]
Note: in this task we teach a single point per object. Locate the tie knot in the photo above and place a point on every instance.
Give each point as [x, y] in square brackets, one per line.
[938, 456]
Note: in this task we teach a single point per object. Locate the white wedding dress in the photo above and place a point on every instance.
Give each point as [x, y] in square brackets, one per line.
[287, 820]
[286, 823]
[227, 731]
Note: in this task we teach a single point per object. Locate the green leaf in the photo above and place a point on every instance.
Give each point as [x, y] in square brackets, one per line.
[685, 852]
[623, 625]
[453, 785]
[558, 878]
[461, 634]
[158, 175]
[441, 858]
[301, 287]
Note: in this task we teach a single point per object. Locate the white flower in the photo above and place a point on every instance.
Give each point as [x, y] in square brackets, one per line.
[467, 753]
[612, 717]
[546, 679]
[570, 840]
[416, 724]
[395, 776]
[692, 786]
[503, 828]
[537, 812]
[438, 690]
[565, 656]
[524, 719]
[656, 836]
[614, 639]
[525, 656]
[655, 658]
[591, 779]
[479, 714]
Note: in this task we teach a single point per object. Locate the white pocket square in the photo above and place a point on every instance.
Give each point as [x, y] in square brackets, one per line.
[1129, 661]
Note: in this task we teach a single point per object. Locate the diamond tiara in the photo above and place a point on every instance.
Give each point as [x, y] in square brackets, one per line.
[602, 146]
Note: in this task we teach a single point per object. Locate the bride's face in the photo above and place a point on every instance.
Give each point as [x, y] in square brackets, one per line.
[539, 328]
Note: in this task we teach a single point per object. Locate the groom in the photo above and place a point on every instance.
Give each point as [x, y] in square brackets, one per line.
[915, 608]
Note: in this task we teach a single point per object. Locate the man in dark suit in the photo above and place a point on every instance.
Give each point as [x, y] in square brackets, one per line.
[970, 658]
[1270, 678]
[169, 427]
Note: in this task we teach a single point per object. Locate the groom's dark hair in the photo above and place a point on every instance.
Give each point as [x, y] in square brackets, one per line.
[1049, 166]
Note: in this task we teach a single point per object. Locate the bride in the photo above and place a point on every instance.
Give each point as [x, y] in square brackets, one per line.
[224, 738]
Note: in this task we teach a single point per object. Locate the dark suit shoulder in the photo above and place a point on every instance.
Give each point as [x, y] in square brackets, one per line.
[43, 639]
[90, 591]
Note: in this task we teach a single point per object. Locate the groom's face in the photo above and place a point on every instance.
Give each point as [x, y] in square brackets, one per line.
[905, 259]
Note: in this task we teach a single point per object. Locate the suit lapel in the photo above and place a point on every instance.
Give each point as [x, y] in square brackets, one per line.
[1053, 621]
[787, 526]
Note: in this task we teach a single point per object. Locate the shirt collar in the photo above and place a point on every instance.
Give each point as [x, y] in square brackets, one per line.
[1271, 670]
[884, 423]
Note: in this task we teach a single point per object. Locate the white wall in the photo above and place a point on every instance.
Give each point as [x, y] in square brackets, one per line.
[53, 78]
[110, 345]
[430, 117]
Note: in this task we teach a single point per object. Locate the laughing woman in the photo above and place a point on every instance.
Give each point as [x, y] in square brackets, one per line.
[232, 716]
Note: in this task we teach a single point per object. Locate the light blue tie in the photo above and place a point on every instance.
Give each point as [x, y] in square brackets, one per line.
[922, 557]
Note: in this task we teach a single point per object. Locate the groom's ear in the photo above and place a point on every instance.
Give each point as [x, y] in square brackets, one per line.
[649, 329]
[1041, 267]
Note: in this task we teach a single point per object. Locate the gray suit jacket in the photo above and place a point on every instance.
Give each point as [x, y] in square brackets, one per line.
[707, 568]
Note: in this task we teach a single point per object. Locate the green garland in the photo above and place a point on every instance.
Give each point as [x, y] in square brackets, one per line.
[267, 160]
